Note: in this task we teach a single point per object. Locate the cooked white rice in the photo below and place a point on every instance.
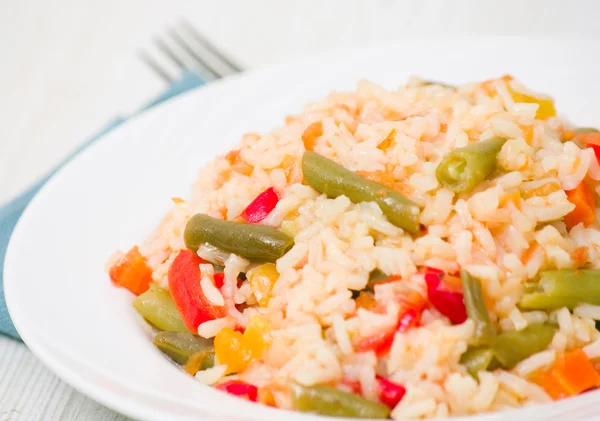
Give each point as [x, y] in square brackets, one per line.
[501, 233]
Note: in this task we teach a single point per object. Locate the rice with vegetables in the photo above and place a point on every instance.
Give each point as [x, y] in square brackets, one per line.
[418, 253]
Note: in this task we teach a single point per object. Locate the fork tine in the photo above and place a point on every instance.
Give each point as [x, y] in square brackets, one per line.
[202, 40]
[204, 64]
[162, 46]
[162, 73]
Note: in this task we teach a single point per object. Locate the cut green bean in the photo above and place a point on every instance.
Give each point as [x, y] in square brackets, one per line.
[465, 168]
[200, 361]
[326, 176]
[181, 346]
[477, 359]
[254, 242]
[585, 130]
[514, 346]
[476, 309]
[563, 288]
[433, 82]
[375, 277]
[158, 308]
[325, 400]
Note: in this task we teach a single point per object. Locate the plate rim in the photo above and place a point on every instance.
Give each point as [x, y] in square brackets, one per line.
[123, 405]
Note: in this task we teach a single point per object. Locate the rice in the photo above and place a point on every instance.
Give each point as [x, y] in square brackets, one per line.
[324, 317]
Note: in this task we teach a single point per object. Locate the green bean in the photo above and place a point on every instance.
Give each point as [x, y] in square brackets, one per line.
[476, 309]
[465, 168]
[200, 361]
[586, 130]
[325, 400]
[477, 359]
[514, 346]
[433, 82]
[181, 346]
[563, 288]
[158, 308]
[254, 242]
[375, 277]
[325, 176]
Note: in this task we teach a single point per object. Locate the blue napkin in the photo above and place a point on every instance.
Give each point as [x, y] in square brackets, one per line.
[11, 211]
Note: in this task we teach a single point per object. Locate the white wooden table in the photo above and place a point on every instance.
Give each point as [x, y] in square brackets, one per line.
[68, 67]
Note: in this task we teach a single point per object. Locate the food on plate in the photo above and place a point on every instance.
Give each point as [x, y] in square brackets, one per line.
[423, 252]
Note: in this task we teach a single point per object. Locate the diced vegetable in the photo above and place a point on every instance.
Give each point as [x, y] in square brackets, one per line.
[325, 176]
[387, 141]
[240, 389]
[585, 208]
[184, 284]
[379, 343]
[465, 168]
[310, 135]
[477, 359]
[584, 130]
[158, 308]
[200, 361]
[237, 350]
[546, 104]
[325, 400]
[266, 396]
[450, 304]
[261, 206]
[512, 347]
[390, 393]
[181, 346]
[378, 277]
[408, 320]
[590, 139]
[571, 374]
[563, 288]
[254, 242]
[132, 272]
[262, 278]
[365, 300]
[413, 305]
[476, 309]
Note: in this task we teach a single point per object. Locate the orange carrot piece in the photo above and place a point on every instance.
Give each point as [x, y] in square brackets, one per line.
[592, 138]
[545, 379]
[574, 373]
[582, 197]
[132, 272]
[385, 143]
[310, 135]
[365, 300]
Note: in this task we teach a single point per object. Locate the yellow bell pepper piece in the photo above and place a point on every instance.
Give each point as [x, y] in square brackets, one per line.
[546, 104]
[262, 279]
[237, 350]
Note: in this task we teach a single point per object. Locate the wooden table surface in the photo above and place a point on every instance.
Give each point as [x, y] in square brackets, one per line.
[68, 66]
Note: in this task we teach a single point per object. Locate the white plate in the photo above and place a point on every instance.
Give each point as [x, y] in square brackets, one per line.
[110, 197]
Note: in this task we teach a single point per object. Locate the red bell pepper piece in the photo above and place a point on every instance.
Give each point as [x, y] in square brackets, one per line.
[240, 389]
[219, 278]
[591, 140]
[408, 320]
[379, 343]
[261, 206]
[450, 304]
[390, 393]
[184, 284]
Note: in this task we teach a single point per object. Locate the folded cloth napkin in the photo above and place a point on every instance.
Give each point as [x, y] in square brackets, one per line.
[11, 211]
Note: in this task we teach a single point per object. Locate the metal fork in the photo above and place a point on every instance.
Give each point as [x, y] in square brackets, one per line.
[186, 49]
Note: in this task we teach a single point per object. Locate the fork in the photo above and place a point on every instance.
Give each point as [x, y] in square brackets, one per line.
[189, 51]
[196, 61]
